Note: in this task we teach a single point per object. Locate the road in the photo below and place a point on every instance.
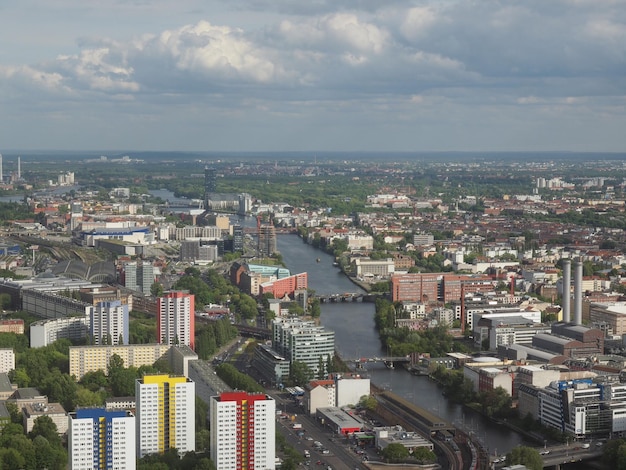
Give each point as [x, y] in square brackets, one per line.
[563, 454]
[341, 457]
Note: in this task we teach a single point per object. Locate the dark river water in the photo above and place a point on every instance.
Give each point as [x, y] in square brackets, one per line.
[356, 336]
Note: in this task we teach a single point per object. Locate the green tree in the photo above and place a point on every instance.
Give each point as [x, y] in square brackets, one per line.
[299, 374]
[5, 301]
[156, 289]
[424, 455]
[24, 446]
[203, 440]
[395, 452]
[614, 454]
[368, 402]
[45, 427]
[528, 456]
[10, 459]
[202, 413]
[315, 309]
[86, 398]
[95, 380]
[60, 387]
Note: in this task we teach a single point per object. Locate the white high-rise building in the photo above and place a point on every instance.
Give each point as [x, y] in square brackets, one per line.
[243, 431]
[7, 360]
[100, 439]
[109, 323]
[176, 319]
[166, 414]
[303, 341]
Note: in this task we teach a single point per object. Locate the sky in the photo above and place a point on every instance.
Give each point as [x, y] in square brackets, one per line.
[325, 75]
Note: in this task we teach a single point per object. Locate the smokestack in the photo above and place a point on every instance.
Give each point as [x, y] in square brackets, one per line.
[19, 168]
[1, 174]
[567, 276]
[578, 292]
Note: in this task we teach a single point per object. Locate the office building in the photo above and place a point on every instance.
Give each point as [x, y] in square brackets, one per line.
[139, 277]
[210, 180]
[166, 413]
[279, 288]
[100, 439]
[238, 238]
[243, 427]
[267, 240]
[175, 319]
[109, 323]
[584, 407]
[303, 341]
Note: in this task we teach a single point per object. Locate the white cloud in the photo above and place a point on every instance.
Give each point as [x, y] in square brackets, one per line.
[310, 60]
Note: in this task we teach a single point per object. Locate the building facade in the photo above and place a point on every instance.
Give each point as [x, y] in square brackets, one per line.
[165, 414]
[7, 360]
[43, 333]
[100, 439]
[176, 319]
[243, 428]
[267, 240]
[109, 323]
[84, 359]
[280, 288]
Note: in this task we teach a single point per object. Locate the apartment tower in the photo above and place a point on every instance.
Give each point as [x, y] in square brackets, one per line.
[100, 439]
[166, 413]
[109, 323]
[175, 319]
[243, 427]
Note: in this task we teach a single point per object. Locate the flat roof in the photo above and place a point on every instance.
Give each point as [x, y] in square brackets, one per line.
[339, 417]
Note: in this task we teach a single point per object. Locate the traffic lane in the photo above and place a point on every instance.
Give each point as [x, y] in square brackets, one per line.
[340, 456]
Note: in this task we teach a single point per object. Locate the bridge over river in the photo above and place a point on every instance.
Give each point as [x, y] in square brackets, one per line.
[562, 456]
[348, 297]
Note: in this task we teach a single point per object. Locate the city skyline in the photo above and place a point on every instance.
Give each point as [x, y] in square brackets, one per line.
[275, 76]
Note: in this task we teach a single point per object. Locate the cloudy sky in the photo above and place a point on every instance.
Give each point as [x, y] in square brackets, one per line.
[264, 75]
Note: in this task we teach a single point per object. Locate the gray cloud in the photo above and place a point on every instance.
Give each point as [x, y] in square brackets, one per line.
[424, 62]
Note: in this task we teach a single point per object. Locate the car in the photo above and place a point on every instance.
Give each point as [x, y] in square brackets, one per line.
[544, 452]
[585, 445]
[599, 444]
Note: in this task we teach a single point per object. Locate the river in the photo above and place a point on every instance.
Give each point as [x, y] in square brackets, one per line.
[356, 336]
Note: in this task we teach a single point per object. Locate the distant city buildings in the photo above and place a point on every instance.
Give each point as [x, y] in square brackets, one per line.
[139, 276]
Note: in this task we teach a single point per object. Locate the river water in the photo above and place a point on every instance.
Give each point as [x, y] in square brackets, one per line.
[356, 336]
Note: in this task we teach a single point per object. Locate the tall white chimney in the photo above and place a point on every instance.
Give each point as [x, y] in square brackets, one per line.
[567, 276]
[578, 292]
[1, 174]
[19, 168]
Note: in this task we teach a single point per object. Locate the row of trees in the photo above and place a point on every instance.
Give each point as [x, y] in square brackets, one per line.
[41, 448]
[212, 336]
